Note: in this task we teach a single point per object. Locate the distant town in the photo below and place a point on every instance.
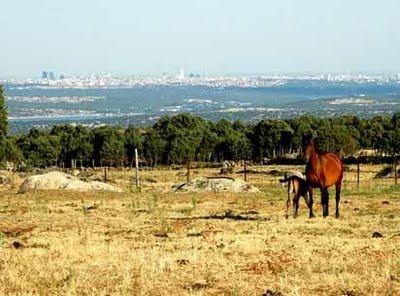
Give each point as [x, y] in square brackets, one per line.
[93, 100]
[55, 80]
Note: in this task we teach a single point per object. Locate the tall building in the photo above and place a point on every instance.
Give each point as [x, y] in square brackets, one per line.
[44, 75]
[181, 74]
[52, 76]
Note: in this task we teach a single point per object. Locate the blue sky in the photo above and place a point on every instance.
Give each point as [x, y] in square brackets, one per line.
[215, 36]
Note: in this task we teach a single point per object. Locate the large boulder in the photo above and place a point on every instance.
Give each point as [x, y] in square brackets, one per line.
[62, 181]
[215, 184]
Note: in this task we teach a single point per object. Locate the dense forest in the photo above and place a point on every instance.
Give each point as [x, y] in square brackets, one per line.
[175, 139]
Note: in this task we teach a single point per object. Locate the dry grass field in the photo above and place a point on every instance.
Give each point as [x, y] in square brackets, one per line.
[156, 242]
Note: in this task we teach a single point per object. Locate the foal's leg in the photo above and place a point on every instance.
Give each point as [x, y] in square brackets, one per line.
[310, 202]
[325, 202]
[288, 200]
[296, 199]
[338, 187]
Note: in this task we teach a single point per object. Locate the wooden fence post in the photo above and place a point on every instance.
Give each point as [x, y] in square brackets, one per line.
[245, 170]
[137, 168]
[105, 174]
[188, 170]
[358, 172]
[395, 169]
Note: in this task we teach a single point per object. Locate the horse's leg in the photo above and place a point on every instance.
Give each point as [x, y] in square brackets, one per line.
[288, 200]
[296, 199]
[325, 202]
[322, 201]
[310, 202]
[338, 187]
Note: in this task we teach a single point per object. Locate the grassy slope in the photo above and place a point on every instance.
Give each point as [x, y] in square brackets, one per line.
[128, 244]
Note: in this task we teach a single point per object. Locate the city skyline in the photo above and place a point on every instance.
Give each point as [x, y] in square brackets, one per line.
[216, 37]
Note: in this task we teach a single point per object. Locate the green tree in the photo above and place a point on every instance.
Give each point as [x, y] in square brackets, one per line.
[76, 144]
[206, 149]
[271, 138]
[232, 144]
[108, 146]
[303, 130]
[394, 145]
[12, 152]
[39, 148]
[182, 135]
[153, 147]
[133, 140]
[3, 114]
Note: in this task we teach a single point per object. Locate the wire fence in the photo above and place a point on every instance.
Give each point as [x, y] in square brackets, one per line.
[363, 176]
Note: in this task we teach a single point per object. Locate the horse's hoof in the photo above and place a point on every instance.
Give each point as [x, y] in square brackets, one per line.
[312, 216]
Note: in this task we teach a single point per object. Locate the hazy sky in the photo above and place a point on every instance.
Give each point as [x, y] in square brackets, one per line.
[215, 36]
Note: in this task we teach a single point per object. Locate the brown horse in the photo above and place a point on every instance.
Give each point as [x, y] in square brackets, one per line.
[323, 170]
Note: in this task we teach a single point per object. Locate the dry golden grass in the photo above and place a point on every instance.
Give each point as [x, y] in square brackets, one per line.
[149, 242]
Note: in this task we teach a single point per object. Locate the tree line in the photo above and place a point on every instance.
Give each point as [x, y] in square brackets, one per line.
[177, 139]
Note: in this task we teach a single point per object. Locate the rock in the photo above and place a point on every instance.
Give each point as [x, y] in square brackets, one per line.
[200, 285]
[377, 234]
[100, 186]
[95, 178]
[215, 184]
[161, 234]
[75, 172]
[62, 181]
[182, 261]
[272, 293]
[349, 293]
[17, 244]
[194, 234]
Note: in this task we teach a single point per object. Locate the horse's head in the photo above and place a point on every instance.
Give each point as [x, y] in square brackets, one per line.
[309, 149]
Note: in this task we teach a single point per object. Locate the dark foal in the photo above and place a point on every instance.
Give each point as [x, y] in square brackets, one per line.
[298, 187]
